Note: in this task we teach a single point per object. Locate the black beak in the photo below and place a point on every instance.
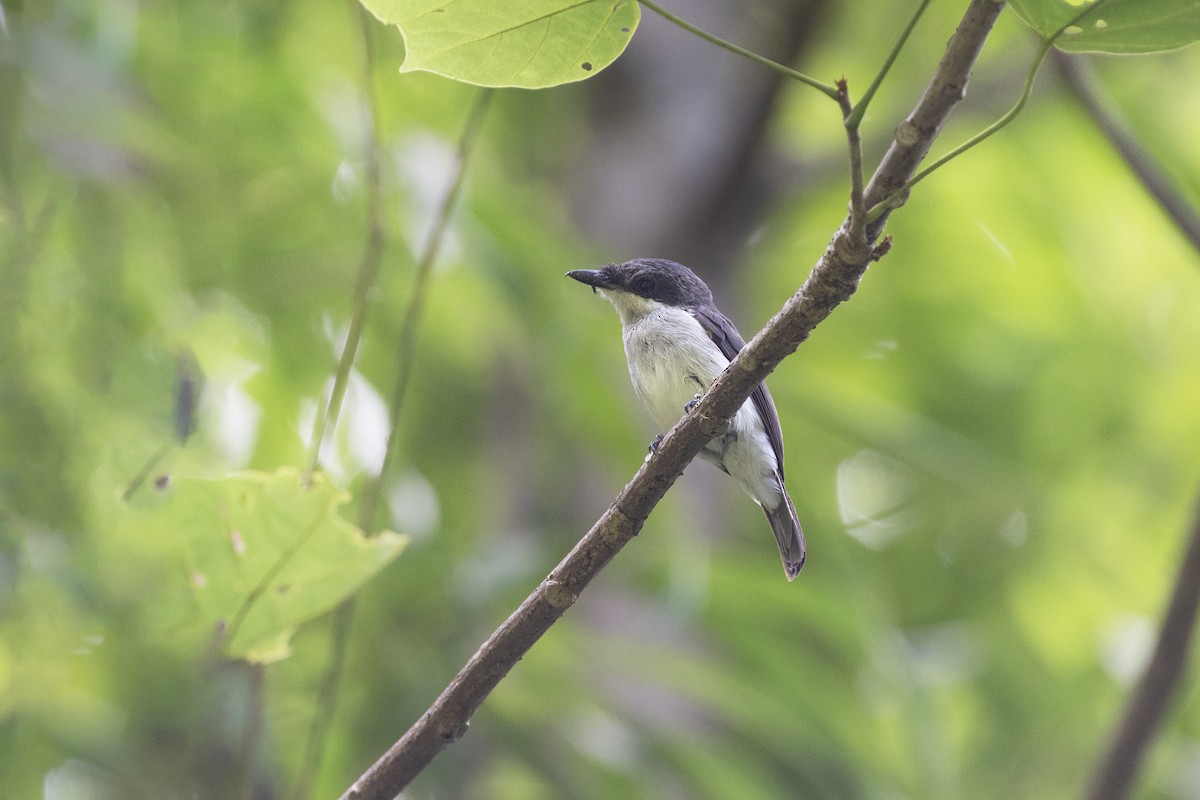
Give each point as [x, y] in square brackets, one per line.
[594, 278]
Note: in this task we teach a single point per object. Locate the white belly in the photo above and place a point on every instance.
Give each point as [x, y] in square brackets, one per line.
[671, 360]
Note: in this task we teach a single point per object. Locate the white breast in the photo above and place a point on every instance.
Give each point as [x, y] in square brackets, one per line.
[671, 360]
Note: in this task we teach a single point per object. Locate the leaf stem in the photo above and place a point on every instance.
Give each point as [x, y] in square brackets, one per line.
[883, 206]
[368, 269]
[1158, 685]
[406, 344]
[860, 108]
[857, 226]
[828, 90]
[1082, 82]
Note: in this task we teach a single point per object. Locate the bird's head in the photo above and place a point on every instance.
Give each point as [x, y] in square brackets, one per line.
[638, 286]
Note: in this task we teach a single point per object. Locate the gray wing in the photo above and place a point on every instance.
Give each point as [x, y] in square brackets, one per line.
[725, 335]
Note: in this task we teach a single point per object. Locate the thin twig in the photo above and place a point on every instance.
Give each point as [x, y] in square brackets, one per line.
[1115, 775]
[326, 701]
[372, 257]
[343, 616]
[407, 342]
[880, 209]
[856, 228]
[1081, 80]
[833, 280]
[405, 348]
[327, 695]
[917, 133]
[821, 86]
[854, 118]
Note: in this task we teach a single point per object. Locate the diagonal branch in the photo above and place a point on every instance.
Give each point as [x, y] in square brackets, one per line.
[1148, 704]
[833, 280]
[1083, 84]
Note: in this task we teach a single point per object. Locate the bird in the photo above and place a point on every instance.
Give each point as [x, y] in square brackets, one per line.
[676, 343]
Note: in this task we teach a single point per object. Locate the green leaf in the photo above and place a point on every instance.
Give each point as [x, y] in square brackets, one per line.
[531, 44]
[261, 554]
[1115, 26]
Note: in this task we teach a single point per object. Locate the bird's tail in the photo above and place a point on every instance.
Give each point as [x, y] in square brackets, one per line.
[788, 534]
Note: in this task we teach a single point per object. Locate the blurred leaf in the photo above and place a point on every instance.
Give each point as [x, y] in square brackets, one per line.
[262, 552]
[1117, 26]
[531, 44]
[1009, 402]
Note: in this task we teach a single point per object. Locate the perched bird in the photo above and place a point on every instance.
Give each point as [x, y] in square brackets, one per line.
[677, 343]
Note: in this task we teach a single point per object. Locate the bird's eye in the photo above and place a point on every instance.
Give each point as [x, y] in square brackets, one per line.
[644, 286]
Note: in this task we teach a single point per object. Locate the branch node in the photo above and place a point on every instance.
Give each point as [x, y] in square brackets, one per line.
[907, 134]
[454, 731]
[851, 250]
[558, 595]
[747, 362]
[882, 248]
[624, 528]
[713, 427]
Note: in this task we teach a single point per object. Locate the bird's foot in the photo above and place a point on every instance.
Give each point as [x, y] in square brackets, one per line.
[690, 404]
[653, 447]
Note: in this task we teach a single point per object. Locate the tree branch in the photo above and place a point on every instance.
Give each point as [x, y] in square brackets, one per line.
[1080, 79]
[918, 132]
[833, 280]
[897, 195]
[1114, 776]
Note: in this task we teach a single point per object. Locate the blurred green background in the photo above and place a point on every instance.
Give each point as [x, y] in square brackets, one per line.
[994, 447]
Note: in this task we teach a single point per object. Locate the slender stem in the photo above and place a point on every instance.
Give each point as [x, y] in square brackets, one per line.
[825, 88]
[860, 108]
[1145, 167]
[322, 720]
[1116, 773]
[857, 227]
[887, 203]
[344, 615]
[372, 256]
[252, 735]
[406, 344]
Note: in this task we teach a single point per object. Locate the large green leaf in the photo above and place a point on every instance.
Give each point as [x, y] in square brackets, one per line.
[262, 553]
[530, 44]
[1115, 26]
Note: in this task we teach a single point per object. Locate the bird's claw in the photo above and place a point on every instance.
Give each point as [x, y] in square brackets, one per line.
[690, 404]
[654, 444]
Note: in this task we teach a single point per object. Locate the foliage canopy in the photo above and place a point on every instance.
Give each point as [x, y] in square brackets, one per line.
[994, 447]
